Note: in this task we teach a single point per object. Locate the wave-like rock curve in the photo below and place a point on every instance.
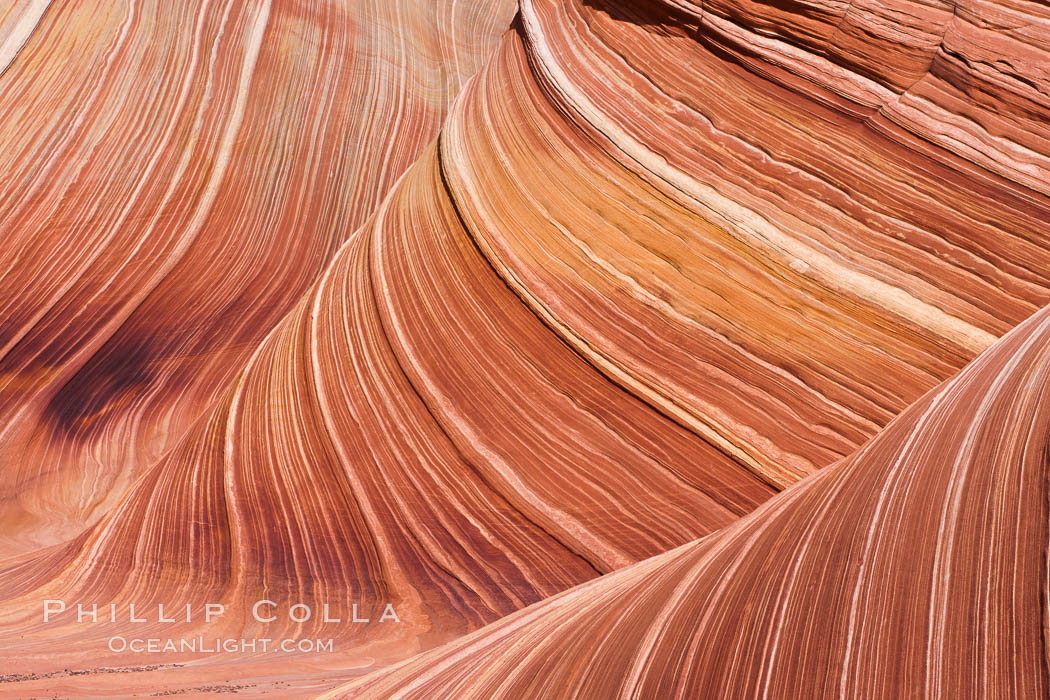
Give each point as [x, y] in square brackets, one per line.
[915, 568]
[190, 170]
[661, 262]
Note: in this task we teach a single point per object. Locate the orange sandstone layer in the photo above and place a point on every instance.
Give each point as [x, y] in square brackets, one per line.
[657, 265]
[173, 178]
[914, 568]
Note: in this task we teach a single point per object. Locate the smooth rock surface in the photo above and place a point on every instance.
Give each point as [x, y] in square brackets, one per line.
[294, 309]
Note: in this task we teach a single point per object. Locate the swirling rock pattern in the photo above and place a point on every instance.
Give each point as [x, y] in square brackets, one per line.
[274, 330]
[189, 172]
[915, 568]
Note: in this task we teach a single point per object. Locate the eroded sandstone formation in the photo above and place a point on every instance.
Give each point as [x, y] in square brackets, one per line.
[914, 568]
[174, 178]
[275, 328]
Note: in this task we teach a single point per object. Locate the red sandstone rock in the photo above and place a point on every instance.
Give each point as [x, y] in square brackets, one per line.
[914, 568]
[660, 262]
